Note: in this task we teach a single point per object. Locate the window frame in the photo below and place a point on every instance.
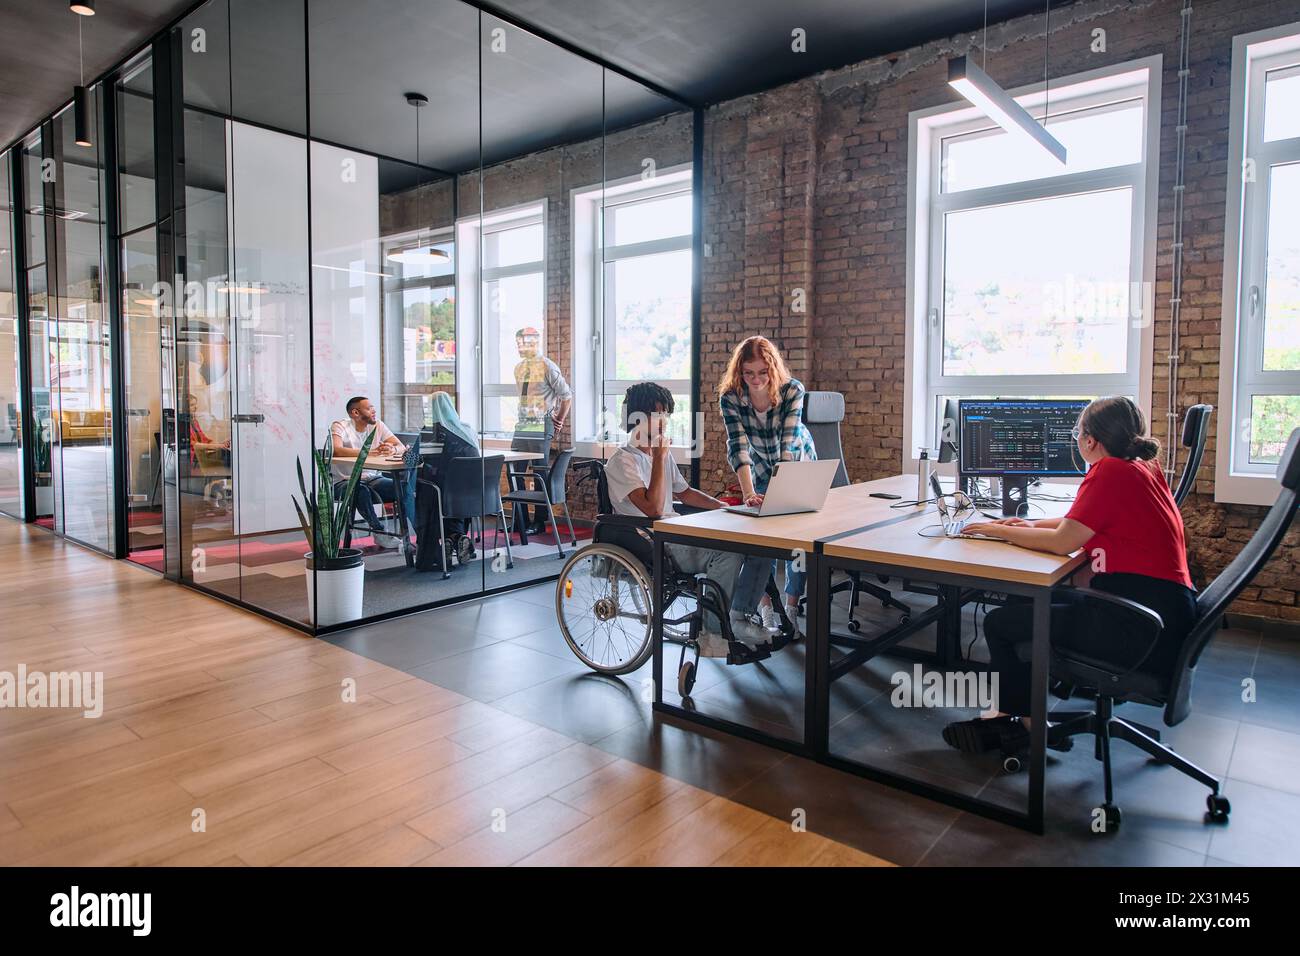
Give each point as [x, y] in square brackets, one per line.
[476, 326]
[393, 289]
[1242, 376]
[595, 321]
[930, 130]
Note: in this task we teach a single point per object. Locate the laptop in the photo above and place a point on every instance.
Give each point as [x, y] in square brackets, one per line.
[953, 526]
[795, 487]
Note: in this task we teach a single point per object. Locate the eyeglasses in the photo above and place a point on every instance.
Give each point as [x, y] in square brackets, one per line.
[1076, 432]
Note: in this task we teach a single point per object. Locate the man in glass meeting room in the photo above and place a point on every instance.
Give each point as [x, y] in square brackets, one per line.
[348, 435]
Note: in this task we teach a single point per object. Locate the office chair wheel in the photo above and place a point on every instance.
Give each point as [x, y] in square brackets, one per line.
[685, 679]
[1012, 763]
[603, 606]
[1218, 808]
[854, 625]
[1113, 817]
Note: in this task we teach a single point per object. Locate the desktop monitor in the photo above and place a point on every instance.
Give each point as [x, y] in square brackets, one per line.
[1017, 440]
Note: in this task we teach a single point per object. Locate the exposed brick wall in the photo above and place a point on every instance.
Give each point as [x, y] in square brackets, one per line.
[806, 185]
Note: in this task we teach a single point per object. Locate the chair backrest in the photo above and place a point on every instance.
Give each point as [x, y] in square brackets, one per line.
[1223, 590]
[822, 413]
[1196, 428]
[533, 440]
[410, 457]
[472, 486]
[556, 476]
[604, 506]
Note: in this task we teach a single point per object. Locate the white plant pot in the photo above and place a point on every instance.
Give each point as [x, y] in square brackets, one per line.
[339, 585]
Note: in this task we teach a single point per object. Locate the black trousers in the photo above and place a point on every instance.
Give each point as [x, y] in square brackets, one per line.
[1096, 630]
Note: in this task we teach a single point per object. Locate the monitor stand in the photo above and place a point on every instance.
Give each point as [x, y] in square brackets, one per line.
[1015, 496]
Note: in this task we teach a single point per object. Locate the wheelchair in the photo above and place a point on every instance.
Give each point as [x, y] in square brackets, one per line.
[604, 607]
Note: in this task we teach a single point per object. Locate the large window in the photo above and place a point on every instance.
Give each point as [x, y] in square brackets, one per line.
[637, 234]
[1033, 278]
[1261, 324]
[514, 301]
[419, 333]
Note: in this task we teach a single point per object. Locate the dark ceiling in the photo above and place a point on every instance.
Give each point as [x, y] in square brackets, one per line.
[38, 51]
[364, 54]
[712, 50]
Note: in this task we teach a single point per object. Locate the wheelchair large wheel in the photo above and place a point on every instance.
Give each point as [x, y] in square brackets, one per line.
[602, 602]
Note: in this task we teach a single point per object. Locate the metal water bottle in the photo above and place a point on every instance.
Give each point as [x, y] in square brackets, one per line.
[923, 477]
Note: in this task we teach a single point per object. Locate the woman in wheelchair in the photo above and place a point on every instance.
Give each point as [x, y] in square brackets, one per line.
[642, 479]
[1125, 517]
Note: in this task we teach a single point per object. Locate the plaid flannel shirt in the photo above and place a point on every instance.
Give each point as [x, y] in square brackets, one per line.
[762, 440]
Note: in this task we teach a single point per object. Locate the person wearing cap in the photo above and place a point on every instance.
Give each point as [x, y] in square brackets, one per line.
[543, 393]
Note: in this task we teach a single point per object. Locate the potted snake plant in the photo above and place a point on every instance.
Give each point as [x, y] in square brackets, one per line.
[339, 572]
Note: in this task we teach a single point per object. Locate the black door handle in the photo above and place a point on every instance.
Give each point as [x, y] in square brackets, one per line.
[249, 418]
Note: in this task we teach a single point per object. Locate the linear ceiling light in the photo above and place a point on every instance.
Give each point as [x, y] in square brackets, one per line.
[978, 87]
[996, 103]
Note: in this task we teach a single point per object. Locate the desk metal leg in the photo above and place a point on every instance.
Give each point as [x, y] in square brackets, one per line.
[817, 707]
[1038, 708]
[399, 509]
[657, 621]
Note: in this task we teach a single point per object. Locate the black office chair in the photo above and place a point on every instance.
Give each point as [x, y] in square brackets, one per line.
[470, 490]
[547, 492]
[1196, 429]
[1116, 682]
[539, 443]
[822, 413]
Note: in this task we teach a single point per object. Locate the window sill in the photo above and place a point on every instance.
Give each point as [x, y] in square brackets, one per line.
[1238, 489]
[592, 448]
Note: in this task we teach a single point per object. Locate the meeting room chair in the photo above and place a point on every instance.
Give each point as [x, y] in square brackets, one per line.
[471, 489]
[539, 443]
[547, 492]
[822, 413]
[1196, 429]
[1117, 682]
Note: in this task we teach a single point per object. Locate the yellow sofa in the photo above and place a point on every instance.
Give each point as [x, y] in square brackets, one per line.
[84, 426]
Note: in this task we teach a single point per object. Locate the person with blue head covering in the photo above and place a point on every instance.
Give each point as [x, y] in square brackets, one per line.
[458, 441]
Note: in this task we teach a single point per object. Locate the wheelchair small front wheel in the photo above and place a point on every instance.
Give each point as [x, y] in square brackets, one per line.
[603, 606]
[686, 679]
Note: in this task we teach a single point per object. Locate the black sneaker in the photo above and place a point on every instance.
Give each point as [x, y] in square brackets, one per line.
[979, 736]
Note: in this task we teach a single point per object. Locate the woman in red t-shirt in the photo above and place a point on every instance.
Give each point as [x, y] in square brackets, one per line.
[1125, 518]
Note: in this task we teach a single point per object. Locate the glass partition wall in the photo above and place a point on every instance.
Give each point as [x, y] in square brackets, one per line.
[325, 216]
[11, 391]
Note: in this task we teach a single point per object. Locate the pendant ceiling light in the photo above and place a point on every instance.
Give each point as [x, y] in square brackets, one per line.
[85, 8]
[997, 104]
[418, 254]
[80, 102]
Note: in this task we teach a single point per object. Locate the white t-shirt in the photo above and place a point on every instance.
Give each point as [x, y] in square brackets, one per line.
[348, 435]
[629, 469]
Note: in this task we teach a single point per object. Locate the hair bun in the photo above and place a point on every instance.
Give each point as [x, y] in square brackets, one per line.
[1144, 448]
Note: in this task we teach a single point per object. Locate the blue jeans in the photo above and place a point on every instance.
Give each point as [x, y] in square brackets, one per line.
[386, 488]
[753, 580]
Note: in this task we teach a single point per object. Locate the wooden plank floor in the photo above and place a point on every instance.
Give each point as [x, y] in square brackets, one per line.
[210, 708]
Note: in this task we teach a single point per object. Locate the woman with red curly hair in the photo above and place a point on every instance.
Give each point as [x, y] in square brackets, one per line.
[762, 408]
